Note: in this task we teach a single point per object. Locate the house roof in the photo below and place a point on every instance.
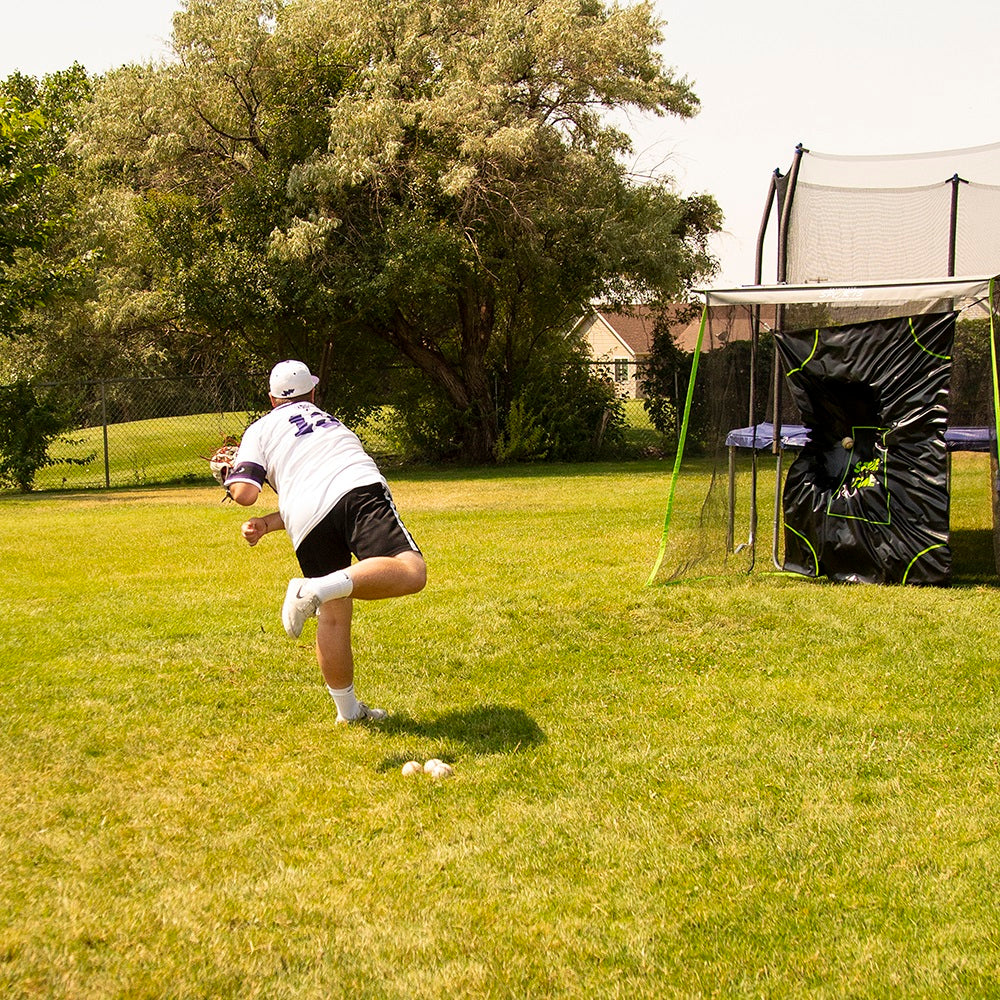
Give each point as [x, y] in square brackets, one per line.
[725, 324]
[634, 329]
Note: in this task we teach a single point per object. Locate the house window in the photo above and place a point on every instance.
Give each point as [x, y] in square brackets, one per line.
[621, 369]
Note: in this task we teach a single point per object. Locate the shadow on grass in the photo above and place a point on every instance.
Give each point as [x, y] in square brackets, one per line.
[485, 729]
[972, 557]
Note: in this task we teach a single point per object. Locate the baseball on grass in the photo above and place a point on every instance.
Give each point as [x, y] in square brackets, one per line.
[412, 767]
[442, 770]
[431, 764]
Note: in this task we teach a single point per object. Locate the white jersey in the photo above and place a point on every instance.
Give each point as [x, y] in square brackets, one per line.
[310, 459]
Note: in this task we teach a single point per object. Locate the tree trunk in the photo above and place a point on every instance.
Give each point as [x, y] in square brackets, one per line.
[477, 316]
[468, 386]
[479, 441]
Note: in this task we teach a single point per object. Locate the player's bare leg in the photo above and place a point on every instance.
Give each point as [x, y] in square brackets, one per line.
[373, 579]
[333, 643]
[335, 656]
[388, 576]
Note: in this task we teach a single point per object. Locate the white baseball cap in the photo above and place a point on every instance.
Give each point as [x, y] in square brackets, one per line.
[290, 379]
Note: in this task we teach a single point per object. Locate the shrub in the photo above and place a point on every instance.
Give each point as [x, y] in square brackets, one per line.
[28, 425]
[523, 440]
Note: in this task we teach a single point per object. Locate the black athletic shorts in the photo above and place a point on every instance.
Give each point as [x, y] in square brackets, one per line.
[363, 523]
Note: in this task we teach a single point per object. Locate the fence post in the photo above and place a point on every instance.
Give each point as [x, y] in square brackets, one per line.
[104, 422]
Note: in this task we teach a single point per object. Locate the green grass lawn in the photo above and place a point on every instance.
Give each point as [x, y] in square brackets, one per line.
[746, 786]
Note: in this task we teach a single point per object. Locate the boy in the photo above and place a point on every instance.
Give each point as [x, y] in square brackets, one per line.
[333, 502]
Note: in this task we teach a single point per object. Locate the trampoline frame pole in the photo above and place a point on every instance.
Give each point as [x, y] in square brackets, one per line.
[786, 215]
[772, 191]
[955, 181]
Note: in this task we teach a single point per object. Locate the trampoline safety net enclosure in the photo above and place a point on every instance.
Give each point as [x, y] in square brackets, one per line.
[853, 381]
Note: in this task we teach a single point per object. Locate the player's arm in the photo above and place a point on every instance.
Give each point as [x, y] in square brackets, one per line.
[245, 494]
[257, 527]
[245, 482]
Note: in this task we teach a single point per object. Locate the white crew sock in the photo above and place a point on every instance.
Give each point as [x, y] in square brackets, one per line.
[333, 585]
[347, 702]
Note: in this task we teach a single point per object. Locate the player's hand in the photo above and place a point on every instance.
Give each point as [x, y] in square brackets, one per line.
[254, 530]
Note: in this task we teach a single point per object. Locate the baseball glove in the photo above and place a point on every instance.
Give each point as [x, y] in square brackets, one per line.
[221, 460]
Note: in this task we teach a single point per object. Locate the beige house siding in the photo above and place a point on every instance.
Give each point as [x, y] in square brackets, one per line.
[617, 359]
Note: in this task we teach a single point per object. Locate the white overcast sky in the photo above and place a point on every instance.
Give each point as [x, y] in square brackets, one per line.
[855, 77]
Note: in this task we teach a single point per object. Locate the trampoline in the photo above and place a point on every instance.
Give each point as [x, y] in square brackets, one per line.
[854, 384]
[761, 437]
[850, 353]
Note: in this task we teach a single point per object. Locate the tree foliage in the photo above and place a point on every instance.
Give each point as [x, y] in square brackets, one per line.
[25, 222]
[21, 179]
[478, 199]
[41, 258]
[426, 184]
[970, 399]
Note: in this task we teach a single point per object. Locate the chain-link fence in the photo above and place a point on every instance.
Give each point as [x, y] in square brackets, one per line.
[146, 431]
[641, 436]
[139, 431]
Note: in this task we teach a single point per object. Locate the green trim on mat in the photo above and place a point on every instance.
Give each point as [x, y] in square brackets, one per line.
[930, 548]
[682, 437]
[811, 549]
[807, 360]
[916, 340]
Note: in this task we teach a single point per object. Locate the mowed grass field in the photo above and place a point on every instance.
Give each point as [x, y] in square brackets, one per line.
[747, 786]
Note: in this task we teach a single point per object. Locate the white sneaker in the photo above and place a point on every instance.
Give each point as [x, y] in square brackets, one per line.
[300, 603]
[365, 715]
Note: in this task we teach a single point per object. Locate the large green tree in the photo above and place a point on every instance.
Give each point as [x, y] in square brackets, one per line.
[41, 258]
[437, 180]
[190, 162]
[21, 178]
[24, 222]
